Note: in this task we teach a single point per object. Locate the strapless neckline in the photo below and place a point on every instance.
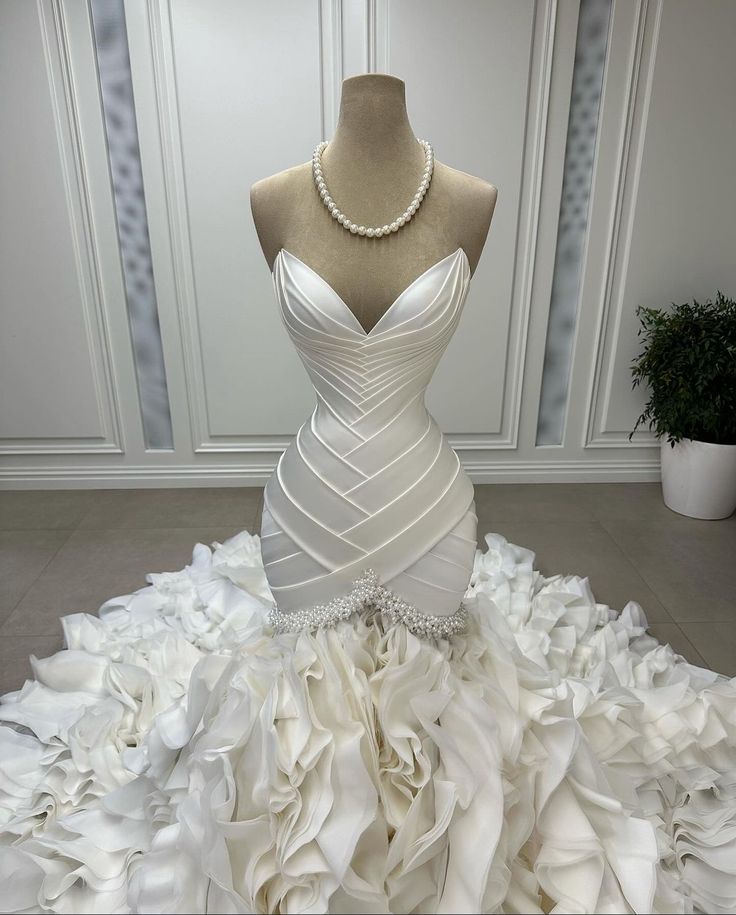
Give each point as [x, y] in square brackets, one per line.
[349, 313]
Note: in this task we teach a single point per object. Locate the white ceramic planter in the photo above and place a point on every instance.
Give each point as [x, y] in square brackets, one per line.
[699, 478]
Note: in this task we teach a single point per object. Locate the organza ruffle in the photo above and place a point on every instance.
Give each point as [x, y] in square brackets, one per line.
[178, 757]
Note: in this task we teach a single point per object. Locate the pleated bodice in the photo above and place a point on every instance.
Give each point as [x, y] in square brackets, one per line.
[370, 481]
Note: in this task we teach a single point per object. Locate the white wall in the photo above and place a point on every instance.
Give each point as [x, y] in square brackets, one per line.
[227, 92]
[61, 395]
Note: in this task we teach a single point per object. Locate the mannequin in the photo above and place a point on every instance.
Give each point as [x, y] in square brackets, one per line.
[372, 167]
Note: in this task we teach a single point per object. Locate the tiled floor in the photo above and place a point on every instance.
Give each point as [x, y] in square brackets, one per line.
[68, 551]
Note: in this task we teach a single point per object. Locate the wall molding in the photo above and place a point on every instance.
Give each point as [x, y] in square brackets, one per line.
[377, 31]
[533, 152]
[338, 59]
[177, 212]
[645, 36]
[181, 475]
[348, 34]
[334, 64]
[331, 63]
[65, 103]
[525, 265]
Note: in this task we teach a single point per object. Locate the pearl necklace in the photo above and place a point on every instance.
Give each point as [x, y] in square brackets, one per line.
[377, 231]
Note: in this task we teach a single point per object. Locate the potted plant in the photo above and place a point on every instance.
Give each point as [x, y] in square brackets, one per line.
[689, 364]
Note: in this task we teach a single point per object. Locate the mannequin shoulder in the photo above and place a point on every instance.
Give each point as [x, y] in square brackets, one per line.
[273, 201]
[471, 192]
[474, 202]
[278, 188]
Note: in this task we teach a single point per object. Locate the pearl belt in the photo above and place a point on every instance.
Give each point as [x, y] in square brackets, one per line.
[367, 592]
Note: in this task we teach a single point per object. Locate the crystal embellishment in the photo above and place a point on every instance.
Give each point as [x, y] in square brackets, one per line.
[367, 592]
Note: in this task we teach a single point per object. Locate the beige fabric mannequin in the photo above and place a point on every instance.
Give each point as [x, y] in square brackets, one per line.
[372, 167]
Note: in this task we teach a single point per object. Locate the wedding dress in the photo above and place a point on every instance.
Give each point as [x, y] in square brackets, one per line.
[361, 711]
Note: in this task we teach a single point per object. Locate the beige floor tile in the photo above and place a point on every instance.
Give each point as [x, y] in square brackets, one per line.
[15, 652]
[716, 642]
[688, 563]
[93, 566]
[671, 634]
[23, 556]
[621, 536]
[503, 502]
[608, 501]
[127, 509]
[45, 509]
[585, 549]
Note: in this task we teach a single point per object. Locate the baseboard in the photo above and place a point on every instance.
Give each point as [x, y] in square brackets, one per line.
[641, 471]
[142, 477]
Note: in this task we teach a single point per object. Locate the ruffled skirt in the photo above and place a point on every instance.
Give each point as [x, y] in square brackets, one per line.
[177, 757]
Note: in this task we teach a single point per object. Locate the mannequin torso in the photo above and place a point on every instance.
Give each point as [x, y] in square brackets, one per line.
[372, 167]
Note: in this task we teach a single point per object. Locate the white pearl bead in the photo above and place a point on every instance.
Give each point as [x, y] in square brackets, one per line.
[367, 592]
[372, 231]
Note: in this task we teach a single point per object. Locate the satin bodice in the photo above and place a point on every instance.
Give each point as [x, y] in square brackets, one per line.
[369, 480]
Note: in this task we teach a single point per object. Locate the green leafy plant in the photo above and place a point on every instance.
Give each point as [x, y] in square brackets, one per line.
[689, 364]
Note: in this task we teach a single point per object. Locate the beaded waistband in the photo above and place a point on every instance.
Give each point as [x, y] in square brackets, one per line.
[368, 593]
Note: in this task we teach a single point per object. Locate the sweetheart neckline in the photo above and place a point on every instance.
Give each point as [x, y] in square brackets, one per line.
[367, 334]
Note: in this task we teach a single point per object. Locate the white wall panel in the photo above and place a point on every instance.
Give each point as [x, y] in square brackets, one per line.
[58, 393]
[244, 121]
[227, 92]
[474, 106]
[678, 241]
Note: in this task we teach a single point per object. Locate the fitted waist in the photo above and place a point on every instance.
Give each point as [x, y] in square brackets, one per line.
[379, 502]
[351, 486]
[369, 447]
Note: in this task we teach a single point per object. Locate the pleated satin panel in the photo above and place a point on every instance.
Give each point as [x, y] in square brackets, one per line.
[370, 481]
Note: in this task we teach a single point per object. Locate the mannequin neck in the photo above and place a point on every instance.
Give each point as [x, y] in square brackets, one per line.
[373, 125]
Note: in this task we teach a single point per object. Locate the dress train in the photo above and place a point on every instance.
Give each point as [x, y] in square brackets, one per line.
[177, 756]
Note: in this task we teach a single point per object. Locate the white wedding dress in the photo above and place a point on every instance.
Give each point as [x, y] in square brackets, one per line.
[361, 711]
